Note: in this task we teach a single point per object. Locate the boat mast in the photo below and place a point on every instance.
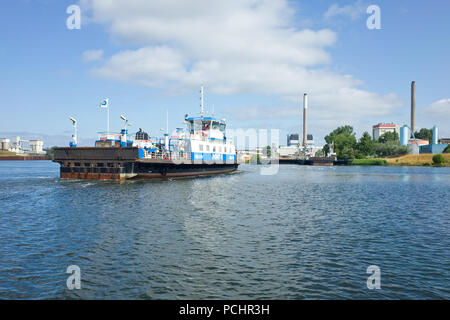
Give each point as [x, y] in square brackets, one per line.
[167, 120]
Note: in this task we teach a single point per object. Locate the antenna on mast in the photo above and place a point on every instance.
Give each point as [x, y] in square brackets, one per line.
[167, 120]
[201, 101]
[73, 143]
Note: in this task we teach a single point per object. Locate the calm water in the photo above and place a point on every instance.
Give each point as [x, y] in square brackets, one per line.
[307, 232]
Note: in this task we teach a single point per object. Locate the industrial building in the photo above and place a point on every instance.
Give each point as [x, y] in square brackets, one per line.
[406, 133]
[418, 146]
[295, 147]
[22, 147]
[36, 146]
[379, 129]
[419, 142]
[288, 151]
[4, 144]
[293, 139]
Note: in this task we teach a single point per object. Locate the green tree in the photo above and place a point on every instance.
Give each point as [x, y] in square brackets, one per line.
[390, 149]
[365, 146]
[267, 151]
[343, 141]
[347, 152]
[389, 137]
[425, 134]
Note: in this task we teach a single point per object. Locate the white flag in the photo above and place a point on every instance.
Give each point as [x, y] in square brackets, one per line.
[104, 103]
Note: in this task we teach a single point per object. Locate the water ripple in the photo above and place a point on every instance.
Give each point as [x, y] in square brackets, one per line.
[305, 233]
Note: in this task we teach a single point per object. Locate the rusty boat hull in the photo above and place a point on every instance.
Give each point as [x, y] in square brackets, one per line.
[126, 163]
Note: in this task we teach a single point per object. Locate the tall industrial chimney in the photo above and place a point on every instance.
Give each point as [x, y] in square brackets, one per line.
[305, 119]
[413, 106]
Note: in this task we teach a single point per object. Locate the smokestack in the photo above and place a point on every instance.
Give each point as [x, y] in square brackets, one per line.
[413, 106]
[305, 119]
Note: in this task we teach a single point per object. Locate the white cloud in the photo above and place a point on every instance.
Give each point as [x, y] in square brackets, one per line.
[92, 55]
[438, 109]
[437, 113]
[353, 11]
[260, 113]
[242, 46]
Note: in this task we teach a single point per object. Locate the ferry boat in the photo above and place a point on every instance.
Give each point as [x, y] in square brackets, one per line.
[202, 148]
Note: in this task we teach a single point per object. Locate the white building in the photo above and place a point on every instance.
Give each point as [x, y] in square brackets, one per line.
[4, 144]
[244, 156]
[288, 151]
[379, 129]
[36, 146]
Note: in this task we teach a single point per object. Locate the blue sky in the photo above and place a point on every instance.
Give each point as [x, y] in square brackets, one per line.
[255, 59]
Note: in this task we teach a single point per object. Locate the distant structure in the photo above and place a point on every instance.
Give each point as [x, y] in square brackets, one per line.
[418, 146]
[435, 146]
[4, 144]
[309, 141]
[293, 139]
[18, 146]
[36, 146]
[379, 129]
[435, 135]
[295, 147]
[305, 120]
[292, 147]
[413, 106]
[420, 142]
[404, 135]
[407, 138]
[245, 156]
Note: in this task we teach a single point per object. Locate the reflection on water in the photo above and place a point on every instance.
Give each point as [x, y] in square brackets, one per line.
[307, 232]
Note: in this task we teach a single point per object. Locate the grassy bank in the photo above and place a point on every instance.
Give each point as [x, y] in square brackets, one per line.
[369, 162]
[6, 153]
[417, 160]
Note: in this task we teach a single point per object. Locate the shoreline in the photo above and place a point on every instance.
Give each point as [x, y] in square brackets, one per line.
[25, 158]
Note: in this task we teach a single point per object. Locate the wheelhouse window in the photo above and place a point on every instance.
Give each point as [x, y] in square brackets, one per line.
[197, 125]
[222, 127]
[215, 125]
[206, 125]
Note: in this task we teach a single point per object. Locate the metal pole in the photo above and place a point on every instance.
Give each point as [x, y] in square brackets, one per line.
[201, 101]
[76, 134]
[413, 106]
[107, 118]
[305, 120]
